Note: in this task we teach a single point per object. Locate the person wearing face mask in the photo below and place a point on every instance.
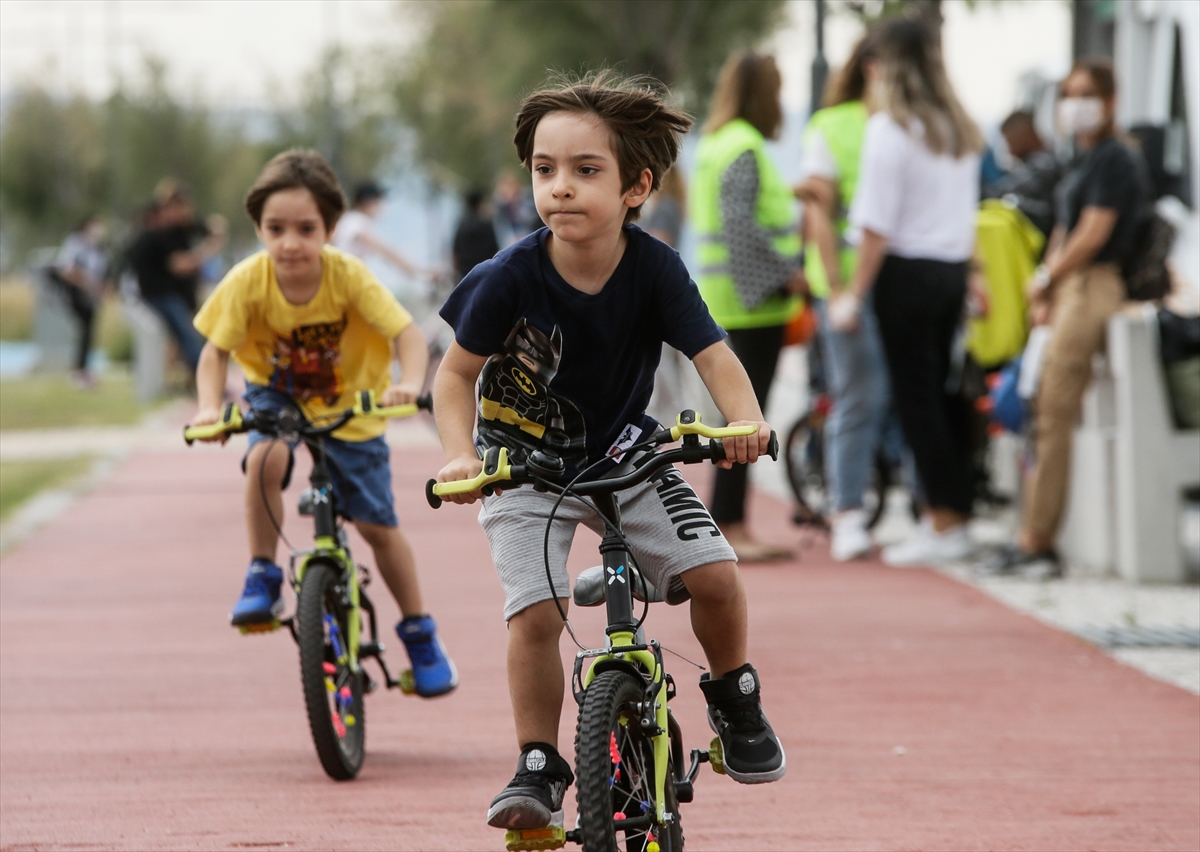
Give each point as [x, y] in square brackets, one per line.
[915, 205]
[1075, 291]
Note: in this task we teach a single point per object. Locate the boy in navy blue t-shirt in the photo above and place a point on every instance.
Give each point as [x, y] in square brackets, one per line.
[563, 331]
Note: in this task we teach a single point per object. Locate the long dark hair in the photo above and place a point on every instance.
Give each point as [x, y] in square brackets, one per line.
[747, 88]
[850, 82]
[915, 85]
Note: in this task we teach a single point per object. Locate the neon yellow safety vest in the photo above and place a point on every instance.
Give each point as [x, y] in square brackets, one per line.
[843, 127]
[775, 213]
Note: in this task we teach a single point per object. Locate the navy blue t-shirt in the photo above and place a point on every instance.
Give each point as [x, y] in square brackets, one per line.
[576, 364]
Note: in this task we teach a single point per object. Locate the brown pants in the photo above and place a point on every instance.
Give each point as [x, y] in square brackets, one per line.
[1082, 307]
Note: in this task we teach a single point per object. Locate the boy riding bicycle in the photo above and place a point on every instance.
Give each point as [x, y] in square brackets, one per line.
[309, 326]
[563, 331]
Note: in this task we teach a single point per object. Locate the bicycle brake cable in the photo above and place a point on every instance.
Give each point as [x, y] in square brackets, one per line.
[262, 490]
[563, 492]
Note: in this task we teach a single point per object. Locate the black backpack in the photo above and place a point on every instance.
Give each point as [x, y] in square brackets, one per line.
[1147, 278]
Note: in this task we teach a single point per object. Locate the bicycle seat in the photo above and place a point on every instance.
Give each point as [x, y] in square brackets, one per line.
[590, 587]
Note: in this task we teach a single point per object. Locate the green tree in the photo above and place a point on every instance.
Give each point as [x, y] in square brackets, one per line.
[460, 88]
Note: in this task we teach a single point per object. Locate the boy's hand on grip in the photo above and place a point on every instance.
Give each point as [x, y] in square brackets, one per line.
[457, 469]
[207, 417]
[399, 394]
[745, 449]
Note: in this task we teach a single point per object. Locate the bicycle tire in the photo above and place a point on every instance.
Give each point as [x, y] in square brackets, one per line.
[803, 458]
[333, 694]
[605, 786]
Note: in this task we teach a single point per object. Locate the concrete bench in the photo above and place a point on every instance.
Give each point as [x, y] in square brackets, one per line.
[151, 342]
[1130, 465]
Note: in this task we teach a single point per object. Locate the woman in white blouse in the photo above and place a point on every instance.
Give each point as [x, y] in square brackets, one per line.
[915, 206]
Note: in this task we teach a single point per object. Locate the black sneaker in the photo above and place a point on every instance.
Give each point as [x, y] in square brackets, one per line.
[751, 752]
[1013, 561]
[533, 799]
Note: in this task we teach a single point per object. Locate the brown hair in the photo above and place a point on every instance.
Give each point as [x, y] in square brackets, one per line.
[915, 85]
[1100, 72]
[646, 130]
[298, 169]
[747, 88]
[850, 82]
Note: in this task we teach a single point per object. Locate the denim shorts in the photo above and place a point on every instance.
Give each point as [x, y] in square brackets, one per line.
[360, 470]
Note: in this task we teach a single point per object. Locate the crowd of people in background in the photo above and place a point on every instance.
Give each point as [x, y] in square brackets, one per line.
[878, 238]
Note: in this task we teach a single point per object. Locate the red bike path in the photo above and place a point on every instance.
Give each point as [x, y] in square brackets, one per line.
[917, 712]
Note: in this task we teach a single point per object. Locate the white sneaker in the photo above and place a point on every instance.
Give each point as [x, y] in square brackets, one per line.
[848, 536]
[927, 547]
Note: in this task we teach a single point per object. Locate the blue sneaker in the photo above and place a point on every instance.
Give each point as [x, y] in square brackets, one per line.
[260, 603]
[433, 672]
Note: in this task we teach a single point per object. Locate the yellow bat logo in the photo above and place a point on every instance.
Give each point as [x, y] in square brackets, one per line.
[524, 382]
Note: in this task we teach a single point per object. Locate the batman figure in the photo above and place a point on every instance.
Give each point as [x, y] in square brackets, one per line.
[518, 410]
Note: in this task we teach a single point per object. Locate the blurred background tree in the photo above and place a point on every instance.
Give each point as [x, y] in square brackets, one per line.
[64, 158]
[458, 90]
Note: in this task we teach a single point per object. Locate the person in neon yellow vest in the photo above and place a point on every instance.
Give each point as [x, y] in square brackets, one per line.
[750, 272]
[855, 369]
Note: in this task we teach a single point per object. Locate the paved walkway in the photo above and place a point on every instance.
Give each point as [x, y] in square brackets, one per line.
[918, 713]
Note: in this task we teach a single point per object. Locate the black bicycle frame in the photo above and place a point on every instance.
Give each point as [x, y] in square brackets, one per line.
[619, 594]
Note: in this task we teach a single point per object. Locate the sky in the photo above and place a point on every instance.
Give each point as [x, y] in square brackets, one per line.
[250, 53]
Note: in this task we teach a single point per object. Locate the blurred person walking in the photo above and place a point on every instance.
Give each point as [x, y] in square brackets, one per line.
[79, 271]
[855, 368]
[917, 194]
[475, 237]
[750, 268]
[1076, 291]
[167, 259]
[356, 234]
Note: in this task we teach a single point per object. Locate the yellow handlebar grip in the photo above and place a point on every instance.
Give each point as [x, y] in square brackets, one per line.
[231, 419]
[365, 406]
[495, 469]
[697, 428]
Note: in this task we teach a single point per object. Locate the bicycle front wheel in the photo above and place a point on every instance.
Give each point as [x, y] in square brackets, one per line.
[333, 692]
[615, 768]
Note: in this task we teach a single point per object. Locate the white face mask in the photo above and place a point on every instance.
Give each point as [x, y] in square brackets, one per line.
[1080, 115]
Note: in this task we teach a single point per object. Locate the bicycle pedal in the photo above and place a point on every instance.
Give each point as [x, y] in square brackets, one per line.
[408, 684]
[265, 627]
[716, 756]
[534, 839]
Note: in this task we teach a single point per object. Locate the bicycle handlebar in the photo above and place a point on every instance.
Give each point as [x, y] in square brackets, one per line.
[497, 469]
[233, 421]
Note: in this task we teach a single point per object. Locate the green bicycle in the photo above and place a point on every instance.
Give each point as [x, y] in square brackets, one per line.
[629, 751]
[328, 623]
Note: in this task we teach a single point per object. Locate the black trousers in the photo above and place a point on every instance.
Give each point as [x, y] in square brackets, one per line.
[758, 350]
[919, 304]
[84, 308]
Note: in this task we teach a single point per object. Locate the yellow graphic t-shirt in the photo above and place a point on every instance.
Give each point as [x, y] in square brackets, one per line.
[320, 352]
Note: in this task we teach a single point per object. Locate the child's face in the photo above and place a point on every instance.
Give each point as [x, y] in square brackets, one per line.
[293, 232]
[577, 179]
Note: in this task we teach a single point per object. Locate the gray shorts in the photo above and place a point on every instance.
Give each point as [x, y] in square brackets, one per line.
[668, 528]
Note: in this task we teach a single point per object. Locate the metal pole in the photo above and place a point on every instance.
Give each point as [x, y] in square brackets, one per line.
[820, 68]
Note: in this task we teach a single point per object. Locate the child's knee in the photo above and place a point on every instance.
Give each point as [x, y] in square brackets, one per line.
[714, 581]
[378, 535]
[540, 622]
[268, 462]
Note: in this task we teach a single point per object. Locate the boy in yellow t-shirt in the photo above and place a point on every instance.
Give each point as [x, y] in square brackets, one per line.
[310, 326]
